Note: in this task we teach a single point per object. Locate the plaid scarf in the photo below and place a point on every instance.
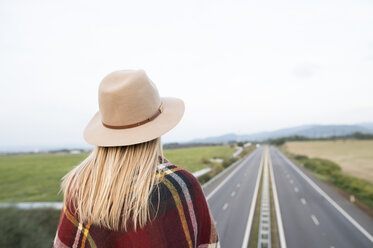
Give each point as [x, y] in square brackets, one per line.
[183, 219]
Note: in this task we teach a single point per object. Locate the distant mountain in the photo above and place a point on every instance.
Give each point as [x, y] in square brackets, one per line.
[366, 125]
[310, 131]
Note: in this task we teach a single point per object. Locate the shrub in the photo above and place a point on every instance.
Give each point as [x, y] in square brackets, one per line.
[322, 166]
[356, 186]
[205, 161]
[300, 157]
[229, 161]
[28, 228]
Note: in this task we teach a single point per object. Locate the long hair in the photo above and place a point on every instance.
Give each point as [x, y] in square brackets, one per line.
[113, 185]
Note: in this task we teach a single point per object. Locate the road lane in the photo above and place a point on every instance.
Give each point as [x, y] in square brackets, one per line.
[310, 220]
[231, 210]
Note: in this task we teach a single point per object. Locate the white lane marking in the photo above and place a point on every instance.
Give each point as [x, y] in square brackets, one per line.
[245, 241]
[303, 201]
[230, 175]
[315, 220]
[225, 206]
[330, 200]
[233, 193]
[291, 181]
[296, 189]
[277, 207]
[287, 175]
[238, 185]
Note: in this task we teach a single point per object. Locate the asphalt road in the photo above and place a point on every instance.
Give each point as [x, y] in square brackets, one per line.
[308, 207]
[309, 219]
[230, 203]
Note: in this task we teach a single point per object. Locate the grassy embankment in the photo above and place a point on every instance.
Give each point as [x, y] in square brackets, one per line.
[37, 177]
[349, 154]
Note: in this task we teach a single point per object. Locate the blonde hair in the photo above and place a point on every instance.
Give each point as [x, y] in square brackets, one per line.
[112, 186]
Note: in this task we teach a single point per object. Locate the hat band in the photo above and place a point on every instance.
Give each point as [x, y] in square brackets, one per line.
[159, 111]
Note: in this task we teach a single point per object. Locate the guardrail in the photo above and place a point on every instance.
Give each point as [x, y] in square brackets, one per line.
[202, 172]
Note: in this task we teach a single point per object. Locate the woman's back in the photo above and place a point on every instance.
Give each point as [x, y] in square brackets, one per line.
[180, 218]
[125, 194]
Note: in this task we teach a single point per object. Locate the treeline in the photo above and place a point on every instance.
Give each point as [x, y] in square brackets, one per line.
[357, 135]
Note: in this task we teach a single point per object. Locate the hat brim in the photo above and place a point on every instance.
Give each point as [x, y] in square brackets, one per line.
[97, 134]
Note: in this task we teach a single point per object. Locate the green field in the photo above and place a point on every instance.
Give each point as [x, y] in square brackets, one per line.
[354, 156]
[37, 177]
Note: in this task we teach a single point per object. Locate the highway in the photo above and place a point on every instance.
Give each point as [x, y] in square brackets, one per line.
[310, 218]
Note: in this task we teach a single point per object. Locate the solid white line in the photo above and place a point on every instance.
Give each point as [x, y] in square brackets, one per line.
[330, 200]
[233, 193]
[225, 206]
[296, 189]
[315, 220]
[277, 207]
[245, 241]
[230, 175]
[303, 201]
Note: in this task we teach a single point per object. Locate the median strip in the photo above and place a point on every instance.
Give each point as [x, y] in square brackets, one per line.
[280, 227]
[264, 237]
[267, 230]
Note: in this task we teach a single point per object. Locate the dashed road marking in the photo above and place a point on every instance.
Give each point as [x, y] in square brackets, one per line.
[327, 197]
[225, 206]
[238, 185]
[303, 201]
[291, 181]
[315, 220]
[233, 193]
[296, 189]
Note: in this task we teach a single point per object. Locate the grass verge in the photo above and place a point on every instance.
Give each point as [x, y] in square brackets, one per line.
[331, 173]
[254, 235]
[37, 177]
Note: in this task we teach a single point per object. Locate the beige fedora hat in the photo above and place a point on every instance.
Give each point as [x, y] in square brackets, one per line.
[131, 111]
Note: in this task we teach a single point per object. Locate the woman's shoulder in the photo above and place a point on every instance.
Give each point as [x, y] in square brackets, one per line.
[175, 175]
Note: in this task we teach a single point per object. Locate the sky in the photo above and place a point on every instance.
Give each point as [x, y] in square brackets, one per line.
[240, 66]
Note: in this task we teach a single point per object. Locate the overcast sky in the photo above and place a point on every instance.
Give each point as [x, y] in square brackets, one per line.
[240, 66]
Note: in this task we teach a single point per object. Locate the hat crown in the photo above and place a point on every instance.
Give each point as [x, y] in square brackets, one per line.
[127, 97]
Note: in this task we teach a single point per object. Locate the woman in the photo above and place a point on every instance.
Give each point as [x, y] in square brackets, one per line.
[126, 193]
